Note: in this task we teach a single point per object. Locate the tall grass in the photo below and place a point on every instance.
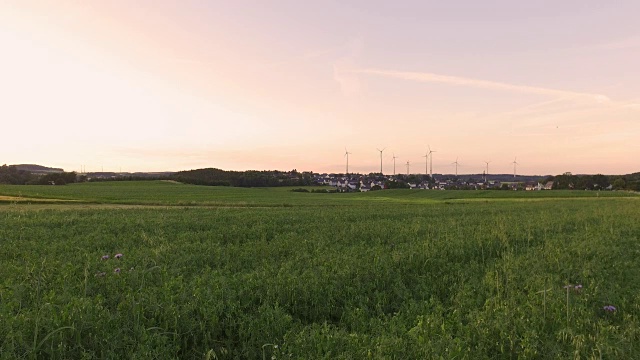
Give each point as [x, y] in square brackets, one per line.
[378, 279]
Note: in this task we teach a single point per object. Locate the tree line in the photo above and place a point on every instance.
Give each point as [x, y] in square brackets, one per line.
[568, 181]
[11, 175]
[251, 178]
[210, 177]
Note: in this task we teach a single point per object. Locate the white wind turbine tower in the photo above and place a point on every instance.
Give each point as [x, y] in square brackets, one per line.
[431, 164]
[381, 159]
[347, 153]
[456, 163]
[394, 164]
[514, 166]
[407, 168]
[426, 164]
[487, 172]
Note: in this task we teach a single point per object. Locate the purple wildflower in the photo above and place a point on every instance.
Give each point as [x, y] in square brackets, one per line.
[569, 286]
[609, 308]
[105, 257]
[578, 287]
[117, 270]
[118, 256]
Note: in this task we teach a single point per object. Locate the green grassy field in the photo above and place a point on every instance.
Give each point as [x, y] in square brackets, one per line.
[270, 273]
[170, 193]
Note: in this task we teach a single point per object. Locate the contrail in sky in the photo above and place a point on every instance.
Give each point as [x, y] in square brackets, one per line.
[485, 84]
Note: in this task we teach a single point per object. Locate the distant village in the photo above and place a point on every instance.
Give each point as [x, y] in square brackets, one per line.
[364, 183]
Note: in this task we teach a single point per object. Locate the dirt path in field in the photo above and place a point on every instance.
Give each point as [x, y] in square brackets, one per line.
[13, 199]
[27, 205]
[13, 203]
[63, 206]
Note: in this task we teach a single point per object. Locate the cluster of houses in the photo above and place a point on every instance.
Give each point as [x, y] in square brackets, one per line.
[364, 183]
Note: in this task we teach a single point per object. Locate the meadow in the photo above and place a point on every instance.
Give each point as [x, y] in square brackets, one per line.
[172, 194]
[230, 273]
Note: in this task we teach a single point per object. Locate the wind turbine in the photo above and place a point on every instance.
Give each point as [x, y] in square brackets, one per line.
[381, 159]
[346, 153]
[426, 164]
[394, 164]
[456, 162]
[514, 166]
[431, 165]
[407, 168]
[487, 172]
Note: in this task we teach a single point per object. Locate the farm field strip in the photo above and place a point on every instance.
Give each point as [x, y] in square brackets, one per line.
[166, 193]
[14, 199]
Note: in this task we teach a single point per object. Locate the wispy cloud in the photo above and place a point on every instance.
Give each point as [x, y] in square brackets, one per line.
[485, 84]
[565, 112]
[185, 61]
[309, 55]
[624, 43]
[344, 70]
[633, 105]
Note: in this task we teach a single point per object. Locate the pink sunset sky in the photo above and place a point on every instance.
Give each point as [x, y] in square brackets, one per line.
[175, 85]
